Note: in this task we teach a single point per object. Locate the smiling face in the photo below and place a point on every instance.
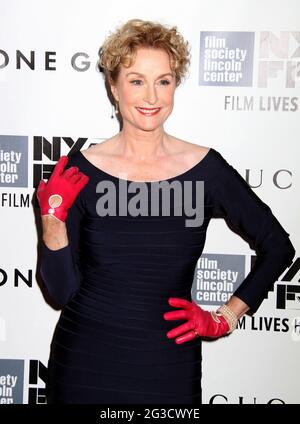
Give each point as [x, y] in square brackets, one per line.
[145, 90]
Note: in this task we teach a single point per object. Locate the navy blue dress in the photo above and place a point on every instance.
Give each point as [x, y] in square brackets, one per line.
[114, 279]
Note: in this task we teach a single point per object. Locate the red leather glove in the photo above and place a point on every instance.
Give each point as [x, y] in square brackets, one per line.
[199, 322]
[58, 194]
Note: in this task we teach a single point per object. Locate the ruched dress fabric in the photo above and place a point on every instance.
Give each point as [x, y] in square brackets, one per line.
[114, 278]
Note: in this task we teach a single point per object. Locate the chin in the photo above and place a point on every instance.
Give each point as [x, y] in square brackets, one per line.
[149, 127]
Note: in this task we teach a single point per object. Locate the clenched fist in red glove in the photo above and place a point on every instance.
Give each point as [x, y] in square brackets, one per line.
[199, 322]
[58, 194]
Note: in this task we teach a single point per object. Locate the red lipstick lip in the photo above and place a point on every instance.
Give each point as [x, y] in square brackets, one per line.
[148, 108]
[147, 111]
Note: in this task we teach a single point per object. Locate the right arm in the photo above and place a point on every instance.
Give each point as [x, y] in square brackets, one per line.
[60, 256]
[54, 232]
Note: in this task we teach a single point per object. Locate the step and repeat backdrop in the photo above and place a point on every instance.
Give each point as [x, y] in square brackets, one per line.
[241, 97]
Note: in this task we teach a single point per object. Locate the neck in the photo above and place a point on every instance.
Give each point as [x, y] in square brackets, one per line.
[141, 145]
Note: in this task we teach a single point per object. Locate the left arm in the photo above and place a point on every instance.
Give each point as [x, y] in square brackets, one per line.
[246, 214]
[251, 218]
[238, 307]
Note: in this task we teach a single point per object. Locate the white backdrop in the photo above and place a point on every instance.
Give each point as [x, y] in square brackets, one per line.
[256, 364]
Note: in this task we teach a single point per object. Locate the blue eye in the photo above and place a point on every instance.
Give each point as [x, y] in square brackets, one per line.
[163, 82]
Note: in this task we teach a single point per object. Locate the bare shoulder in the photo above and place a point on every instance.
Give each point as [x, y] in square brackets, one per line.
[192, 152]
[104, 148]
[196, 149]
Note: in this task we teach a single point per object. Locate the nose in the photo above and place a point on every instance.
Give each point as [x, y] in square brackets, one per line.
[150, 95]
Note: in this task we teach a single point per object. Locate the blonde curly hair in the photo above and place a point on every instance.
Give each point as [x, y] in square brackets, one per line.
[120, 47]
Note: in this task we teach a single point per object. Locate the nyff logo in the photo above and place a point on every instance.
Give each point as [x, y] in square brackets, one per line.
[53, 150]
[279, 59]
[288, 295]
[37, 372]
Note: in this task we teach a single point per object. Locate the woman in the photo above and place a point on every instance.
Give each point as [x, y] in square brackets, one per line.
[119, 276]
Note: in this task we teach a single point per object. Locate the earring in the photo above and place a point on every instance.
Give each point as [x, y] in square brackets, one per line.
[116, 110]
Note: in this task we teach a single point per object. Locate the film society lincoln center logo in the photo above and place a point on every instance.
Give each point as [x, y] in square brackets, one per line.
[13, 161]
[226, 58]
[216, 277]
[11, 381]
